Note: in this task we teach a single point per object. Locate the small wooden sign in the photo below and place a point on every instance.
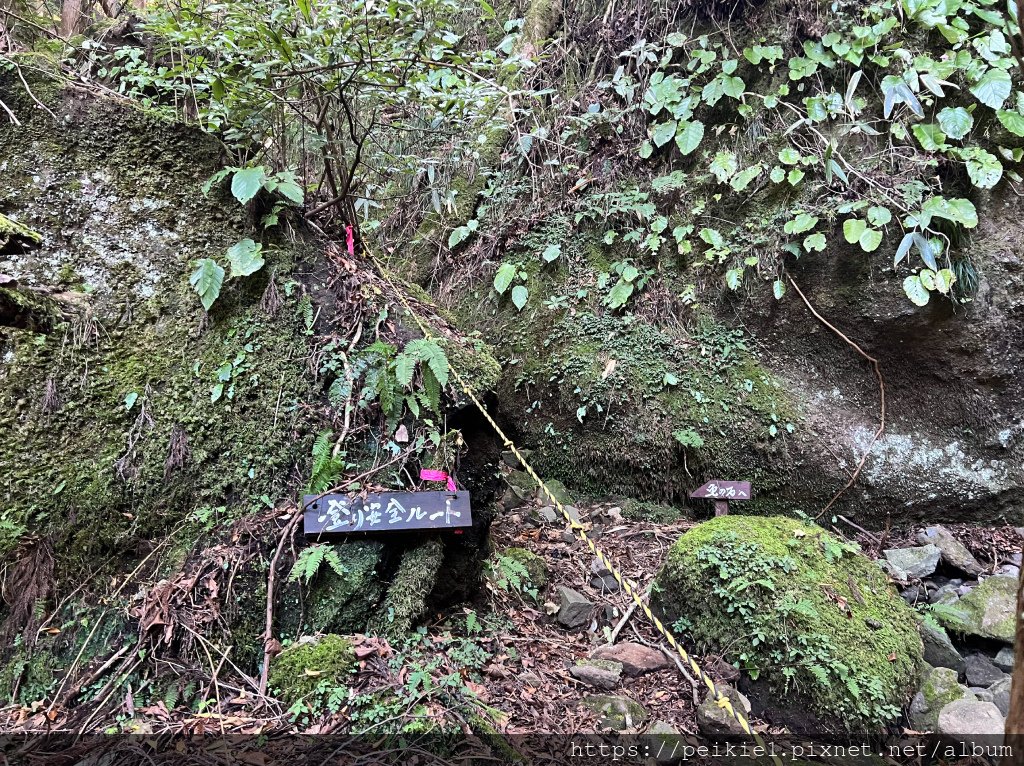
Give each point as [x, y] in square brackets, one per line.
[385, 512]
[722, 492]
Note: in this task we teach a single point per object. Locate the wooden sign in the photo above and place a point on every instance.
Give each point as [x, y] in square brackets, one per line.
[722, 492]
[385, 512]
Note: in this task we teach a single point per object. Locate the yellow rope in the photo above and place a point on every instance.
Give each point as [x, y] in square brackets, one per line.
[721, 700]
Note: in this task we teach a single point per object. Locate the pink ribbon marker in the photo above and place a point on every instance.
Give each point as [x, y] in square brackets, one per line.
[429, 474]
[350, 241]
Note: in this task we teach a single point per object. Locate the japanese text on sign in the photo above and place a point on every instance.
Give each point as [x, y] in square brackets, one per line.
[393, 511]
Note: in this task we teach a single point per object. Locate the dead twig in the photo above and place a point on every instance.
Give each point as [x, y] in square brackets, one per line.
[268, 632]
[881, 394]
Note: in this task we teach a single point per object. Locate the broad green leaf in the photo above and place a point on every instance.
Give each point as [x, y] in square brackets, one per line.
[803, 222]
[552, 252]
[519, 296]
[504, 276]
[878, 215]
[956, 122]
[742, 179]
[916, 291]
[290, 189]
[993, 88]
[734, 278]
[664, 132]
[853, 228]
[929, 136]
[130, 398]
[630, 272]
[814, 242]
[778, 289]
[733, 86]
[207, 280]
[870, 240]
[247, 182]
[795, 176]
[958, 210]
[459, 235]
[1012, 121]
[724, 166]
[778, 175]
[646, 150]
[216, 178]
[789, 156]
[924, 247]
[245, 258]
[689, 136]
[944, 279]
[927, 277]
[619, 294]
[984, 168]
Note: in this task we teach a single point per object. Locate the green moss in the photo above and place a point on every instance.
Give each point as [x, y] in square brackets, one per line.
[816, 622]
[534, 565]
[941, 686]
[344, 603]
[302, 669]
[988, 610]
[406, 599]
[16, 234]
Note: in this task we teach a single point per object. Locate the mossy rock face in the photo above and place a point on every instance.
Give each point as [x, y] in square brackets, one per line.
[829, 645]
[299, 670]
[940, 687]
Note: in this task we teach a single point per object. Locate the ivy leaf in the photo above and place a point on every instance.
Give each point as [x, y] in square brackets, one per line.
[870, 240]
[956, 122]
[853, 228]
[504, 276]
[688, 138]
[993, 88]
[207, 280]
[552, 252]
[247, 182]
[664, 132]
[519, 296]
[245, 258]
[916, 291]
[1012, 121]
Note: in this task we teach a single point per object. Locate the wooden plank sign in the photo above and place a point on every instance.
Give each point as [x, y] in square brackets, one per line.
[385, 512]
[723, 490]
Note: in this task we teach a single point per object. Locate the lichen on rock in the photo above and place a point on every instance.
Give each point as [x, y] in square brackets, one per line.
[825, 639]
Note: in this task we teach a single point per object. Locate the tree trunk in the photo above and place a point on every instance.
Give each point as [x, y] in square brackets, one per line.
[1015, 717]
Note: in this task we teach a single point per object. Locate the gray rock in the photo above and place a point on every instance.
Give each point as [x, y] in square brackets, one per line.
[971, 722]
[531, 678]
[1004, 660]
[573, 511]
[980, 671]
[940, 687]
[509, 458]
[911, 595]
[663, 742]
[953, 551]
[636, 659]
[913, 562]
[619, 713]
[714, 721]
[944, 594]
[557, 489]
[548, 514]
[1017, 558]
[605, 584]
[939, 651]
[1000, 692]
[574, 609]
[983, 695]
[601, 674]
[598, 568]
[1011, 570]
[987, 611]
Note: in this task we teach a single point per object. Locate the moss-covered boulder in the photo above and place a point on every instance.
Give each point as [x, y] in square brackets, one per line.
[940, 687]
[988, 611]
[312, 665]
[827, 643]
[536, 569]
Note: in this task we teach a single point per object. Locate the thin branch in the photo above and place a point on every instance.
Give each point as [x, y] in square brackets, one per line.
[881, 394]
